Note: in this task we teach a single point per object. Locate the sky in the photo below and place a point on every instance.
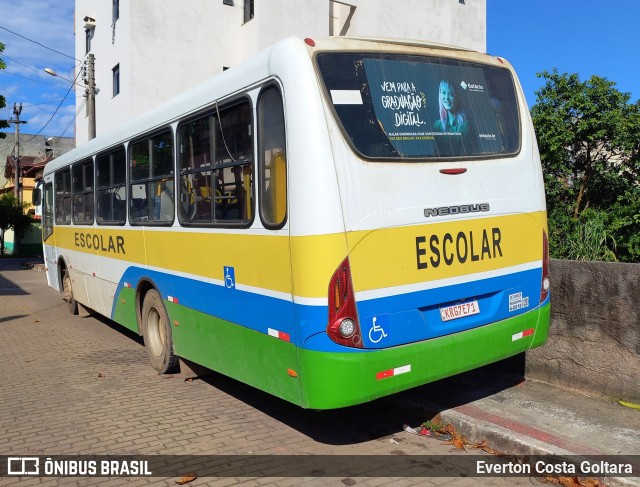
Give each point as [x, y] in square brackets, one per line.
[50, 23]
[588, 37]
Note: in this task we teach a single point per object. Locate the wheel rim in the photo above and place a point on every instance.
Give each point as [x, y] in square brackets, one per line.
[155, 332]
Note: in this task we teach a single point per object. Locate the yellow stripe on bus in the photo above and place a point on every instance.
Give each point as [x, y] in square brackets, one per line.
[409, 255]
[379, 259]
[261, 261]
[412, 254]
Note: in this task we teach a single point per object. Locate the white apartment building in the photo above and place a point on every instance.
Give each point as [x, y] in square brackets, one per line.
[148, 51]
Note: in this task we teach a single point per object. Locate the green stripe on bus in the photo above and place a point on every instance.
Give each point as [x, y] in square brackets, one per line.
[333, 380]
[328, 380]
[125, 309]
[255, 358]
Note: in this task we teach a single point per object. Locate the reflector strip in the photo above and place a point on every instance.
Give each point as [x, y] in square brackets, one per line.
[522, 334]
[172, 299]
[279, 334]
[391, 372]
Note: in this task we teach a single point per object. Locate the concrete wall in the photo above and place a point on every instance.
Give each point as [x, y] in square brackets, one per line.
[594, 340]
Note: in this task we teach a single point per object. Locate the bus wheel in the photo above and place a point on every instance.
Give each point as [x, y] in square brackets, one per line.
[67, 293]
[157, 333]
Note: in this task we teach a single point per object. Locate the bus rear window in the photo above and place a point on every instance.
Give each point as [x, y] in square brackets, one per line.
[395, 106]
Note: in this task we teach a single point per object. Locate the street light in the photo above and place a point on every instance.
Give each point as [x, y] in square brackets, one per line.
[90, 92]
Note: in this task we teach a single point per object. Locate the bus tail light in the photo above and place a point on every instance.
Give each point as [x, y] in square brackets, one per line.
[343, 327]
[546, 282]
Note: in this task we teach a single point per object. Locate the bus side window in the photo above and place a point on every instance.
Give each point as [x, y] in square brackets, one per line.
[82, 192]
[111, 192]
[62, 190]
[151, 183]
[47, 216]
[215, 160]
[233, 165]
[273, 159]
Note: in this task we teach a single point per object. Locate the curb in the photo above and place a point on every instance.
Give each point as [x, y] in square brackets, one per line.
[475, 428]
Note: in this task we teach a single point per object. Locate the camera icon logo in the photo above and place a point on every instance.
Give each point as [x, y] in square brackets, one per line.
[23, 466]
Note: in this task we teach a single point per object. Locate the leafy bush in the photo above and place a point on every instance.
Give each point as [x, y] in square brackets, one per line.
[589, 138]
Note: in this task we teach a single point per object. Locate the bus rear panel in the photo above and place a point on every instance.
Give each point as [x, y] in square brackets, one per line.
[446, 261]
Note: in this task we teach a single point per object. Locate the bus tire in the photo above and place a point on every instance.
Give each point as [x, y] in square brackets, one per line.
[158, 339]
[67, 293]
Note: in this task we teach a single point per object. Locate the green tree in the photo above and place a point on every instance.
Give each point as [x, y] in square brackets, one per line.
[3, 123]
[12, 215]
[589, 138]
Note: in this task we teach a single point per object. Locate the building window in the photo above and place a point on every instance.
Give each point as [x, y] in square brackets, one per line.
[248, 10]
[116, 80]
[116, 10]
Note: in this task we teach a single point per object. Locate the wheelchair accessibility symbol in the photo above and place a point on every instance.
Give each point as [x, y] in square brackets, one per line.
[229, 277]
[376, 332]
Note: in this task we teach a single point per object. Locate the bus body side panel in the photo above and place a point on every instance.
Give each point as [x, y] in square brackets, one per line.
[242, 328]
[97, 257]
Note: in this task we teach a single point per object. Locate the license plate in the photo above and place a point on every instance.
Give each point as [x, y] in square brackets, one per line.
[459, 310]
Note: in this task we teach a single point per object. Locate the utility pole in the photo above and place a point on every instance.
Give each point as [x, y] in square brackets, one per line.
[17, 110]
[90, 90]
[91, 95]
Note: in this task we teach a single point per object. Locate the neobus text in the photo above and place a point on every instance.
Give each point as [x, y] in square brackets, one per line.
[100, 242]
[463, 247]
[456, 210]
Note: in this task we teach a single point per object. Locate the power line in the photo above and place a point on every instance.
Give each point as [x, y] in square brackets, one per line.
[31, 68]
[74, 117]
[24, 77]
[40, 44]
[21, 64]
[56, 111]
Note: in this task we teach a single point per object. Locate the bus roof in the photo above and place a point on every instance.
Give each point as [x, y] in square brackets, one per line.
[256, 69]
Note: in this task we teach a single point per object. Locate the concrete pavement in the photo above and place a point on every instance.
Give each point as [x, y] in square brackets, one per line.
[77, 386]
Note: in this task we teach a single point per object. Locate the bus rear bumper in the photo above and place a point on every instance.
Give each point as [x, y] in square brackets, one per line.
[339, 379]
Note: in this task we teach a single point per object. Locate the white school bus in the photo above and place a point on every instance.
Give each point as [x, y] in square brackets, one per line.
[332, 221]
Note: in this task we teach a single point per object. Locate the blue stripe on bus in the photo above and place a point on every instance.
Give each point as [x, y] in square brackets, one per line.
[404, 318]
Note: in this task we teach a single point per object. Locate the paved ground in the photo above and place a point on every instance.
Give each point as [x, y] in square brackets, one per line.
[78, 386]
